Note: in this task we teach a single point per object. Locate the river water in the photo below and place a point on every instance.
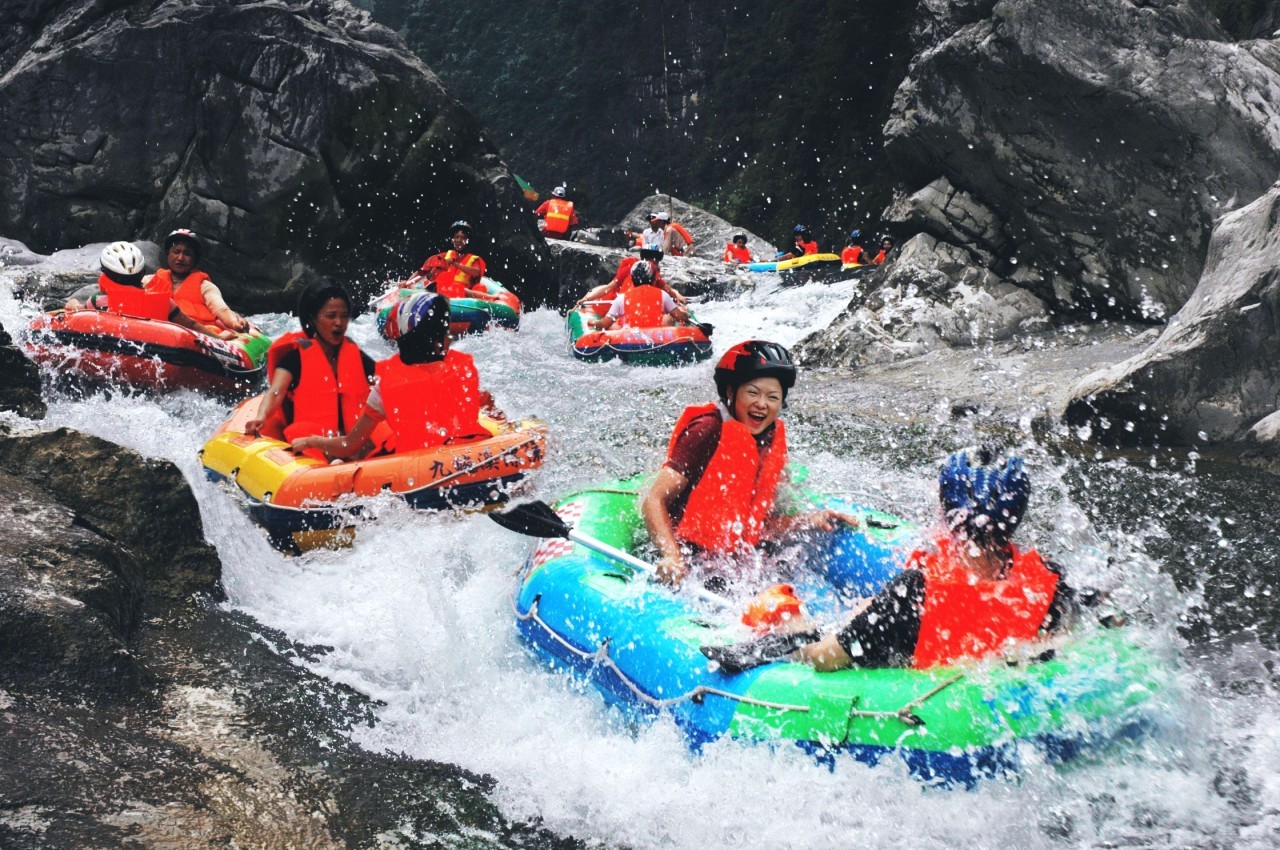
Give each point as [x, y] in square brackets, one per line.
[417, 615]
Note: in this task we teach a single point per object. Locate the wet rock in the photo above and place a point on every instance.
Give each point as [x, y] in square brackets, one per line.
[296, 138]
[1081, 149]
[710, 232]
[1213, 375]
[19, 381]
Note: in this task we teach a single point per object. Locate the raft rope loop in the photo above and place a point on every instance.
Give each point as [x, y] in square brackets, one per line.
[906, 715]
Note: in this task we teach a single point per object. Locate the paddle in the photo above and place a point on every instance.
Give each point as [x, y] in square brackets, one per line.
[538, 519]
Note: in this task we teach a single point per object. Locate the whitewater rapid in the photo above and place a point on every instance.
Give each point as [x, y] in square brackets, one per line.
[417, 615]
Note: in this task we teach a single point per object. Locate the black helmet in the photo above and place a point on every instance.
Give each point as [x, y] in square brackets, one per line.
[182, 234]
[753, 359]
[642, 273]
[460, 225]
[315, 296]
[738, 236]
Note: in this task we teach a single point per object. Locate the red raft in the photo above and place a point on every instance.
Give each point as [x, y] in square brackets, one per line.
[146, 354]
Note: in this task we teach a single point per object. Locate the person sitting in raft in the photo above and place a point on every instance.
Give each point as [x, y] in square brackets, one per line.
[556, 217]
[804, 244]
[428, 393]
[644, 304]
[195, 294]
[653, 241]
[319, 378]
[737, 252]
[886, 247]
[452, 273]
[716, 496]
[971, 595]
[853, 254]
[678, 241]
[120, 289]
[620, 284]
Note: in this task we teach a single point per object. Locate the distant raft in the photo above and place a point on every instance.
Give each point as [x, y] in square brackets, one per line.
[146, 354]
[810, 267]
[667, 345]
[305, 503]
[638, 643]
[499, 309]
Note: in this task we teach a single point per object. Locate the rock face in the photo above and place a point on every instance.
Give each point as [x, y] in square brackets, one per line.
[1214, 374]
[710, 232]
[1081, 149]
[295, 138]
[19, 381]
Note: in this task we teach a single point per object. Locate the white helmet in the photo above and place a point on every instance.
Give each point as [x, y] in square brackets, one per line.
[664, 216]
[122, 258]
[558, 192]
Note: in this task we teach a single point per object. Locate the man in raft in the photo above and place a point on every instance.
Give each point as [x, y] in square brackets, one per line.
[195, 294]
[853, 253]
[716, 497]
[120, 289]
[556, 215]
[428, 393]
[970, 595]
[620, 284]
[804, 244]
[453, 273]
[644, 304]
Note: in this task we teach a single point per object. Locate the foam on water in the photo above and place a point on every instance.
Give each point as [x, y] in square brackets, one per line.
[418, 616]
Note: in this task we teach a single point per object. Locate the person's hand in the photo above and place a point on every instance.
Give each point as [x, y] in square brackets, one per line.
[829, 520]
[254, 426]
[679, 299]
[301, 444]
[671, 570]
[237, 322]
[227, 334]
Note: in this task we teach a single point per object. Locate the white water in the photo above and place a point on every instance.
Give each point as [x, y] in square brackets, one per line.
[418, 616]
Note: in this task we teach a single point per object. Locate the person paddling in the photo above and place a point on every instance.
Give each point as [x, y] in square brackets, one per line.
[620, 284]
[453, 273]
[970, 595]
[644, 304]
[195, 294]
[716, 497]
[804, 244]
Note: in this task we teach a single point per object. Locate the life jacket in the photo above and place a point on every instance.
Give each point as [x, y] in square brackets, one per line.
[189, 298]
[678, 246]
[642, 307]
[732, 253]
[726, 509]
[429, 403]
[559, 215]
[879, 258]
[852, 255]
[967, 618]
[453, 283]
[321, 395]
[134, 300]
[810, 247]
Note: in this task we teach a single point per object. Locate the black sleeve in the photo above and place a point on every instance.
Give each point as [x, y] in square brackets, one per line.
[291, 362]
[885, 633]
[1065, 604]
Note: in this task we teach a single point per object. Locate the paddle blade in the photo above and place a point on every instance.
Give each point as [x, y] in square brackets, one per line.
[535, 519]
[706, 327]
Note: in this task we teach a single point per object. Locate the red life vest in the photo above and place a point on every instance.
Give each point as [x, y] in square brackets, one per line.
[320, 395]
[808, 247]
[135, 301]
[642, 307]
[732, 253]
[852, 255]
[187, 296]
[429, 403]
[726, 509]
[450, 282]
[559, 215]
[967, 618]
[678, 246]
[879, 258]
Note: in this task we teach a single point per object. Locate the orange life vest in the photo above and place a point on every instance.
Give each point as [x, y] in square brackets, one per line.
[321, 395]
[808, 247]
[852, 255]
[726, 509]
[642, 307]
[678, 246]
[879, 258]
[134, 301]
[450, 282]
[428, 403]
[189, 298]
[967, 618]
[559, 215]
[732, 253]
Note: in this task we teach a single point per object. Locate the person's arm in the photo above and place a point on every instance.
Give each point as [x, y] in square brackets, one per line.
[603, 323]
[675, 296]
[213, 300]
[882, 632]
[343, 446]
[600, 293]
[490, 408]
[271, 400]
[824, 520]
[472, 271]
[668, 487]
[82, 298]
[181, 319]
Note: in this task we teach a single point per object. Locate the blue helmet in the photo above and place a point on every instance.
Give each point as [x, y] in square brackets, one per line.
[853, 237]
[800, 228]
[985, 492]
[419, 325]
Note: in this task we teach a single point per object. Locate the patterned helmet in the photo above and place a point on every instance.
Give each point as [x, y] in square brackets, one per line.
[984, 493]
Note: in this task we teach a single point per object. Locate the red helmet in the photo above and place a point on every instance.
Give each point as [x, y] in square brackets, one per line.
[753, 359]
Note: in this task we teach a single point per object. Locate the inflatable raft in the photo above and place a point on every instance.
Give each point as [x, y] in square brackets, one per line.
[661, 346]
[638, 643]
[500, 309]
[146, 354]
[304, 503]
[815, 260]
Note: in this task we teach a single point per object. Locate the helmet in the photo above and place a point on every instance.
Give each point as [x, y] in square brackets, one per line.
[558, 192]
[664, 216]
[738, 236]
[653, 214]
[753, 359]
[420, 324]
[122, 262]
[985, 492]
[315, 296]
[853, 237]
[460, 225]
[182, 234]
[889, 239]
[799, 228]
[642, 273]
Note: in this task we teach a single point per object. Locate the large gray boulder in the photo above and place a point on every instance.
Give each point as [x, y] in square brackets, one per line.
[1213, 375]
[19, 381]
[296, 138]
[1081, 149]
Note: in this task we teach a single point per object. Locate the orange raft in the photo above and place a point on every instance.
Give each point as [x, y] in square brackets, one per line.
[146, 354]
[305, 503]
